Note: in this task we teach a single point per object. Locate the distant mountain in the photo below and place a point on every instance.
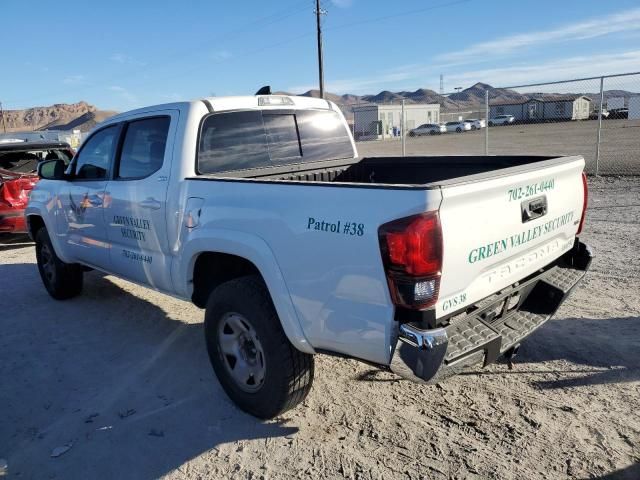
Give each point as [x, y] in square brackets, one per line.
[471, 98]
[61, 116]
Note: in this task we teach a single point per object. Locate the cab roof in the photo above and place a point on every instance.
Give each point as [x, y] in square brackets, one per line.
[220, 104]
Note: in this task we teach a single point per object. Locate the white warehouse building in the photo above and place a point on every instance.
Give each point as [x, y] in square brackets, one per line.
[382, 121]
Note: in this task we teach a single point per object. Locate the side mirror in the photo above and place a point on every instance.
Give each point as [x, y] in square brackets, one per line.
[52, 169]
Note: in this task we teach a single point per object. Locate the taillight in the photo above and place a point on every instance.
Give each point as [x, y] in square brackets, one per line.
[412, 255]
[585, 199]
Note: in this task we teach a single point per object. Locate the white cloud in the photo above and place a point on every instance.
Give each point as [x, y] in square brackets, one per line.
[624, 21]
[221, 55]
[342, 3]
[125, 59]
[364, 84]
[556, 70]
[74, 79]
[125, 95]
[410, 77]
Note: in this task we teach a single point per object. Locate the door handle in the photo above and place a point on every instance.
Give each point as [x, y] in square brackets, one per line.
[535, 208]
[151, 203]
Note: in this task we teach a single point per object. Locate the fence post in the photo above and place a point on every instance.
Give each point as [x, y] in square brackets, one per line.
[486, 122]
[402, 129]
[599, 125]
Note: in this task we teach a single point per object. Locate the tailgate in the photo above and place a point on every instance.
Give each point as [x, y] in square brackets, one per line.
[500, 230]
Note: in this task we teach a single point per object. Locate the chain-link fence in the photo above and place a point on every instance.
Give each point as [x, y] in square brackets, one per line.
[598, 118]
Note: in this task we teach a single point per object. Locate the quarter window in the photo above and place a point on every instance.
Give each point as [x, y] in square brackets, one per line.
[94, 159]
[143, 147]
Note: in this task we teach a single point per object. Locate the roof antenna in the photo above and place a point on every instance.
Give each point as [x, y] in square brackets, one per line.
[266, 90]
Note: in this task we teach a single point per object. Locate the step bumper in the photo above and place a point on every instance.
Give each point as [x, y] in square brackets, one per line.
[492, 327]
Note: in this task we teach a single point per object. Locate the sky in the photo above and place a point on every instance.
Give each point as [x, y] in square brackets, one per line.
[120, 55]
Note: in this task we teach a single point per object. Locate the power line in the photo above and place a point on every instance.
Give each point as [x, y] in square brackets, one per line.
[278, 18]
[272, 18]
[399, 14]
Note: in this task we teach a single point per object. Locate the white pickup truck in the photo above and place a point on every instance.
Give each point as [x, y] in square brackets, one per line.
[258, 209]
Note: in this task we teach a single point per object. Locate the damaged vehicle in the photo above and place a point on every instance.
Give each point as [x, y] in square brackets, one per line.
[18, 175]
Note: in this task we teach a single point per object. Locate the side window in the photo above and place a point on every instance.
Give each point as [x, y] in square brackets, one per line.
[93, 160]
[143, 147]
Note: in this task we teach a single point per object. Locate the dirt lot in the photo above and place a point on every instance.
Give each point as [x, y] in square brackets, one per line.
[619, 148]
[121, 377]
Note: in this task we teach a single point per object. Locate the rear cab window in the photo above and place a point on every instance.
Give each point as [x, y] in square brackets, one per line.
[260, 139]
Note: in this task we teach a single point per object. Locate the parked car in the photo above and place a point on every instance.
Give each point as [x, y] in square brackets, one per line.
[617, 113]
[457, 127]
[476, 123]
[18, 165]
[421, 265]
[427, 129]
[501, 120]
[594, 115]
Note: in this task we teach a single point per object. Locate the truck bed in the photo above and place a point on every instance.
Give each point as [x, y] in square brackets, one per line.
[400, 171]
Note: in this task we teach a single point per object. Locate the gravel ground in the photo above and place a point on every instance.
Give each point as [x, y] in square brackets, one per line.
[118, 384]
[619, 148]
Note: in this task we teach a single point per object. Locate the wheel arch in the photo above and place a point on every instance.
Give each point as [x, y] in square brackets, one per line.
[216, 257]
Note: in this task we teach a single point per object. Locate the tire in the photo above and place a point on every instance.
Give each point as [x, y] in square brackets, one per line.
[62, 280]
[432, 132]
[459, 130]
[412, 134]
[491, 124]
[257, 366]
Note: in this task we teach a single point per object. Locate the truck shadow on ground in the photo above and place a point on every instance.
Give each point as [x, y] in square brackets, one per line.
[606, 351]
[13, 242]
[129, 387]
[630, 473]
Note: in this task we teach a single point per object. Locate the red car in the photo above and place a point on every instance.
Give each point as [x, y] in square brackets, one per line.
[18, 166]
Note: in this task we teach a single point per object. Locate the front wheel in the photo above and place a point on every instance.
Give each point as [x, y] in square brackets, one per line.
[62, 280]
[257, 366]
[459, 130]
[491, 124]
[432, 132]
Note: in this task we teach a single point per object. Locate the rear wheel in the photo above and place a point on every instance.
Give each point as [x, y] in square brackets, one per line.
[491, 124]
[432, 132]
[257, 366]
[62, 280]
[459, 130]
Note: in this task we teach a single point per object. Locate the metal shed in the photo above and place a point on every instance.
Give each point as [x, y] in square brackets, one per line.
[382, 121]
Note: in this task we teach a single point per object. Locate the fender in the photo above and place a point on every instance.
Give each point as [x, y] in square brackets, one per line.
[252, 248]
[42, 204]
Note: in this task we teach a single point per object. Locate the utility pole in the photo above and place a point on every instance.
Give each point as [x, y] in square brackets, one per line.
[4, 123]
[457, 89]
[319, 12]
